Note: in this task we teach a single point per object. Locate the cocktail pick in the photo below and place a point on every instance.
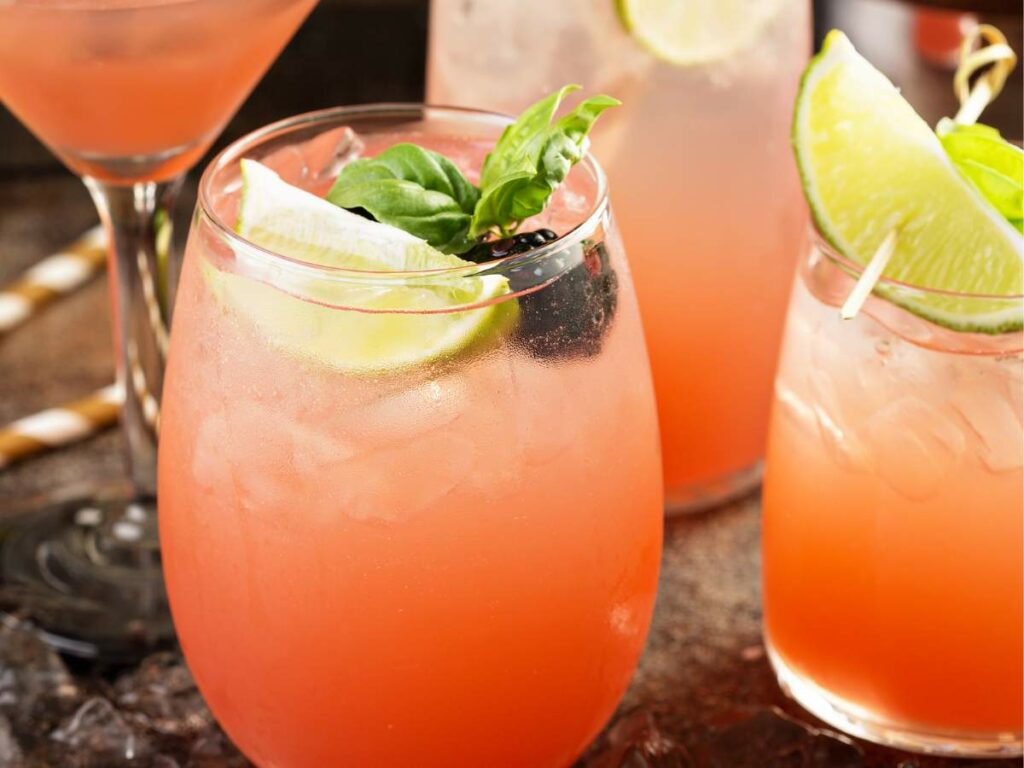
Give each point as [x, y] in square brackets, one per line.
[992, 63]
[997, 59]
[869, 277]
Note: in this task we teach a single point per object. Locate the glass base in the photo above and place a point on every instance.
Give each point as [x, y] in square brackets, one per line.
[87, 572]
[708, 494]
[860, 722]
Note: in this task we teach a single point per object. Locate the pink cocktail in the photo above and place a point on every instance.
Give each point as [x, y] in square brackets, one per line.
[705, 190]
[447, 564]
[892, 521]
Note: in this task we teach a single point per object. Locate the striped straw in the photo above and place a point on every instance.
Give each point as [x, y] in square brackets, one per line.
[54, 276]
[56, 427]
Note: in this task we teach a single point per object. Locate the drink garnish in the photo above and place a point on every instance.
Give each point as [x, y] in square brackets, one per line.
[425, 194]
[415, 189]
[396, 321]
[870, 165]
[414, 300]
[994, 166]
[531, 159]
[688, 33]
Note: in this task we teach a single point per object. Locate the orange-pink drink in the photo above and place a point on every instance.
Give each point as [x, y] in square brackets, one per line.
[892, 522]
[703, 184]
[108, 80]
[451, 564]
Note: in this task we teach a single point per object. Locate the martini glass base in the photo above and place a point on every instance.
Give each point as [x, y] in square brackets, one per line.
[86, 571]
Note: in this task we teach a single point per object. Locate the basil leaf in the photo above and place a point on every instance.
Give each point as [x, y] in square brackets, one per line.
[1005, 194]
[519, 147]
[412, 188]
[994, 166]
[531, 159]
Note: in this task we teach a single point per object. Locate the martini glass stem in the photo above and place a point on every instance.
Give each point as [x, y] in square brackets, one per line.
[143, 276]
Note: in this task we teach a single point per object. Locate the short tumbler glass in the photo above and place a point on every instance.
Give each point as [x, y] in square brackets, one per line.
[893, 506]
[451, 563]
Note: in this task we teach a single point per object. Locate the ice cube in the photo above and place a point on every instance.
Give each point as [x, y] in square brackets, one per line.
[10, 752]
[163, 692]
[216, 751]
[36, 689]
[314, 164]
[914, 445]
[834, 425]
[209, 470]
[635, 741]
[994, 416]
[772, 739]
[97, 730]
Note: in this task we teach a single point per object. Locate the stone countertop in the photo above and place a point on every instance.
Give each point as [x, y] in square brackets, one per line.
[703, 696]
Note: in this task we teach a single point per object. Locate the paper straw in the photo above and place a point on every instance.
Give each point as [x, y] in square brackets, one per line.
[55, 276]
[57, 427]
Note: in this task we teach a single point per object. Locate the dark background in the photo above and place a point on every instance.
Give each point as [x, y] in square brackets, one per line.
[358, 51]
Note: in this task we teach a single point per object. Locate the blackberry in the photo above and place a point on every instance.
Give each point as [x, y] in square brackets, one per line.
[509, 246]
[569, 317]
[361, 212]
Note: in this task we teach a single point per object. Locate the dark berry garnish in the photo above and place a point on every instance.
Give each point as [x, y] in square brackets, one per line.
[361, 212]
[569, 317]
[519, 243]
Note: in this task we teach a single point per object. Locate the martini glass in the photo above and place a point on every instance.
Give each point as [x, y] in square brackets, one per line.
[129, 94]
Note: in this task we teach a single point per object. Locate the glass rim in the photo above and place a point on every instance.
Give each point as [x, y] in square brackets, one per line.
[238, 149]
[822, 243]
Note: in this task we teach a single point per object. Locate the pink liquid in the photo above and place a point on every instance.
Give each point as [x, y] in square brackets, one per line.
[453, 565]
[101, 81]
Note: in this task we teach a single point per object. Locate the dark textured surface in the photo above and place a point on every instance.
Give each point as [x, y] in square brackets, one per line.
[703, 696]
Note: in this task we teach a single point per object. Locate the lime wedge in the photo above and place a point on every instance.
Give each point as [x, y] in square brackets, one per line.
[692, 32]
[870, 164]
[355, 323]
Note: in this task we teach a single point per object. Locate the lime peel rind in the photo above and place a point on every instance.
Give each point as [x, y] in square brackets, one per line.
[357, 326]
[950, 238]
[692, 33]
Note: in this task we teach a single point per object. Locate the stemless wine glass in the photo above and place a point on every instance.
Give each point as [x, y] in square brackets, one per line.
[451, 563]
[892, 528]
[129, 94]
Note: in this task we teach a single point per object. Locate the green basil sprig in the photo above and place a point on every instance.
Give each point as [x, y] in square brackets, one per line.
[993, 165]
[425, 193]
[532, 157]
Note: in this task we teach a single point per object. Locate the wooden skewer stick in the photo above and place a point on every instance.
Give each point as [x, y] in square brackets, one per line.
[869, 277]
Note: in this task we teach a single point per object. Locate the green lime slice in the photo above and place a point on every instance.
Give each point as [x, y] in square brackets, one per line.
[869, 165]
[692, 32]
[380, 324]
